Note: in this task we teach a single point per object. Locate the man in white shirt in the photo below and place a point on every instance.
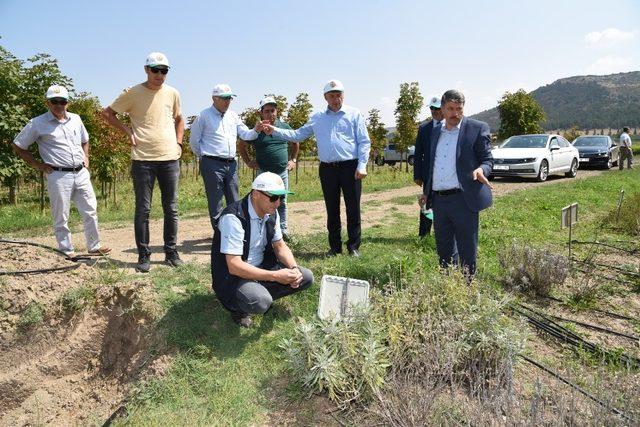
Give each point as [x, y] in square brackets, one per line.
[251, 265]
[625, 151]
[63, 144]
[213, 139]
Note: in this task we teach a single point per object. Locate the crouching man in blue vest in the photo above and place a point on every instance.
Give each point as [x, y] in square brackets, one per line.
[251, 265]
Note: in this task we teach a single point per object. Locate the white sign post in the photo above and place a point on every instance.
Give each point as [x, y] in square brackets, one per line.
[620, 200]
[568, 217]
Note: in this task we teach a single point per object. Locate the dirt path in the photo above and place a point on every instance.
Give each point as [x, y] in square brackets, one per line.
[304, 218]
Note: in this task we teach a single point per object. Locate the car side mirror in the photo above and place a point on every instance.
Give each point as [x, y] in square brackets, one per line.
[554, 148]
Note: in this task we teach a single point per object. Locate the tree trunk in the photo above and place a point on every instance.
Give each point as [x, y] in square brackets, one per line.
[13, 195]
[115, 199]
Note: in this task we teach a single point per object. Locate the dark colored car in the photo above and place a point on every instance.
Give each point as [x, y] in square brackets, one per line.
[596, 150]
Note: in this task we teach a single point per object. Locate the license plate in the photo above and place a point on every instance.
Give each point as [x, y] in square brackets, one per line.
[584, 159]
[500, 167]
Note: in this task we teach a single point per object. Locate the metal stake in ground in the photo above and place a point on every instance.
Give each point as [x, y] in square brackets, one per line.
[568, 217]
[620, 199]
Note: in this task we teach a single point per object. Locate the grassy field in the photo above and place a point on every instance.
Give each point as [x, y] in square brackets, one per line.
[25, 219]
[221, 375]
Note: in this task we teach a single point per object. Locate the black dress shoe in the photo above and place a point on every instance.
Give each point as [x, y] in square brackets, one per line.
[241, 319]
[354, 253]
[331, 253]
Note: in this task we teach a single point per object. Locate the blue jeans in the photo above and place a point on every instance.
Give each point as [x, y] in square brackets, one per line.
[144, 174]
[282, 209]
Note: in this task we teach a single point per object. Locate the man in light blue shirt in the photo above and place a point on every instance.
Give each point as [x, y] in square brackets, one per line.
[213, 139]
[343, 149]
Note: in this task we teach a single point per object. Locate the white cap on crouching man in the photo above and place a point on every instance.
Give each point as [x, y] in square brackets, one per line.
[57, 91]
[270, 183]
[334, 85]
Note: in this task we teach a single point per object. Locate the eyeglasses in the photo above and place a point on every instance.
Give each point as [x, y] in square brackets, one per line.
[155, 70]
[273, 197]
[434, 109]
[58, 101]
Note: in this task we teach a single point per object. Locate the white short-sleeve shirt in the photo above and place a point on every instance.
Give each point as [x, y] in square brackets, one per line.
[232, 235]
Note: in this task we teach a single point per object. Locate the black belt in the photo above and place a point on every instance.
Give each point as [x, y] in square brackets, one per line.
[448, 192]
[221, 159]
[61, 169]
[336, 164]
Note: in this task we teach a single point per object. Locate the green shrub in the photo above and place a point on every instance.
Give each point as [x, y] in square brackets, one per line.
[32, 316]
[529, 269]
[629, 219]
[76, 299]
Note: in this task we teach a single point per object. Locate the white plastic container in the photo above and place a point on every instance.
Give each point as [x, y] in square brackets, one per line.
[339, 296]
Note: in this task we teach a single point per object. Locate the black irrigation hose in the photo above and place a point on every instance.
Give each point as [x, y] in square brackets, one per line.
[579, 389]
[597, 328]
[608, 313]
[629, 251]
[613, 267]
[602, 276]
[119, 412]
[38, 270]
[556, 330]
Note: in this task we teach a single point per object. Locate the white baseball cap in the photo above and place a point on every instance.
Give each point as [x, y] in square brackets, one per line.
[267, 100]
[435, 102]
[156, 58]
[57, 91]
[333, 85]
[222, 90]
[270, 183]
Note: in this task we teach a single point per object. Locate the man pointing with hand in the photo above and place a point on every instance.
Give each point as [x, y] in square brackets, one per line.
[343, 150]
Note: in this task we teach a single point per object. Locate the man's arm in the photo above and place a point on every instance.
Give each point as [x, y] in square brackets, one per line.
[240, 268]
[482, 149]
[304, 132]
[194, 136]
[417, 158]
[85, 148]
[293, 159]
[242, 149]
[179, 124]
[244, 132]
[109, 115]
[364, 146]
[31, 161]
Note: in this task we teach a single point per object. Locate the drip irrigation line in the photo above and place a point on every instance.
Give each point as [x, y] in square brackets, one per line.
[596, 328]
[602, 276]
[595, 242]
[608, 313]
[119, 412]
[613, 267]
[546, 324]
[39, 270]
[579, 389]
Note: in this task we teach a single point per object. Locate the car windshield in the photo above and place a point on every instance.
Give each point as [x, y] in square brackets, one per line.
[526, 141]
[598, 141]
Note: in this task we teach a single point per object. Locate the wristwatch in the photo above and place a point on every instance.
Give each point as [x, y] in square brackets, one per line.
[294, 160]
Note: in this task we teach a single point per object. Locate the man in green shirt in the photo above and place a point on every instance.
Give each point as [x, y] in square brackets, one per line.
[272, 154]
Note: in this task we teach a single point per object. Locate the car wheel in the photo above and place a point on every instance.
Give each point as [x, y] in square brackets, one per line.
[410, 160]
[573, 171]
[609, 164]
[380, 161]
[543, 172]
[391, 163]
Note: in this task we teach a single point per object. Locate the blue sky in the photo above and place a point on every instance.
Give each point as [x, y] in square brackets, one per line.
[480, 47]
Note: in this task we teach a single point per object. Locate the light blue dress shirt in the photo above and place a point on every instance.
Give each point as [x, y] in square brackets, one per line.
[445, 173]
[232, 235]
[340, 135]
[215, 134]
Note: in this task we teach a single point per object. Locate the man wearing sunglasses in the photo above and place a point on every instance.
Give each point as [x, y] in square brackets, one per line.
[214, 135]
[418, 165]
[155, 134]
[63, 144]
[251, 265]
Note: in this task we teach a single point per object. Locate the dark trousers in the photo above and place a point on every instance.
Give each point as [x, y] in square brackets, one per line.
[253, 297]
[220, 179]
[144, 175]
[335, 178]
[454, 224]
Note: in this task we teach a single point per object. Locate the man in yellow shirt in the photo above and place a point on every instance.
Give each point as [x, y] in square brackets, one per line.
[155, 134]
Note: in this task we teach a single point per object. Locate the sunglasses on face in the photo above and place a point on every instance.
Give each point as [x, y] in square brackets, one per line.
[434, 109]
[58, 101]
[158, 70]
[273, 197]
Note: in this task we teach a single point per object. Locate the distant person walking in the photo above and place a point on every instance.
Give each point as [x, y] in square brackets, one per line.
[625, 149]
[419, 166]
[272, 154]
[155, 134]
[63, 144]
[213, 139]
[343, 150]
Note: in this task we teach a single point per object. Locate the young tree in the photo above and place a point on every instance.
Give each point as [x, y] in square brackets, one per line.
[572, 133]
[408, 109]
[297, 116]
[520, 114]
[377, 133]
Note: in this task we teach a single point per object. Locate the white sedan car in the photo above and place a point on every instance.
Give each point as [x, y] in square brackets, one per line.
[535, 156]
